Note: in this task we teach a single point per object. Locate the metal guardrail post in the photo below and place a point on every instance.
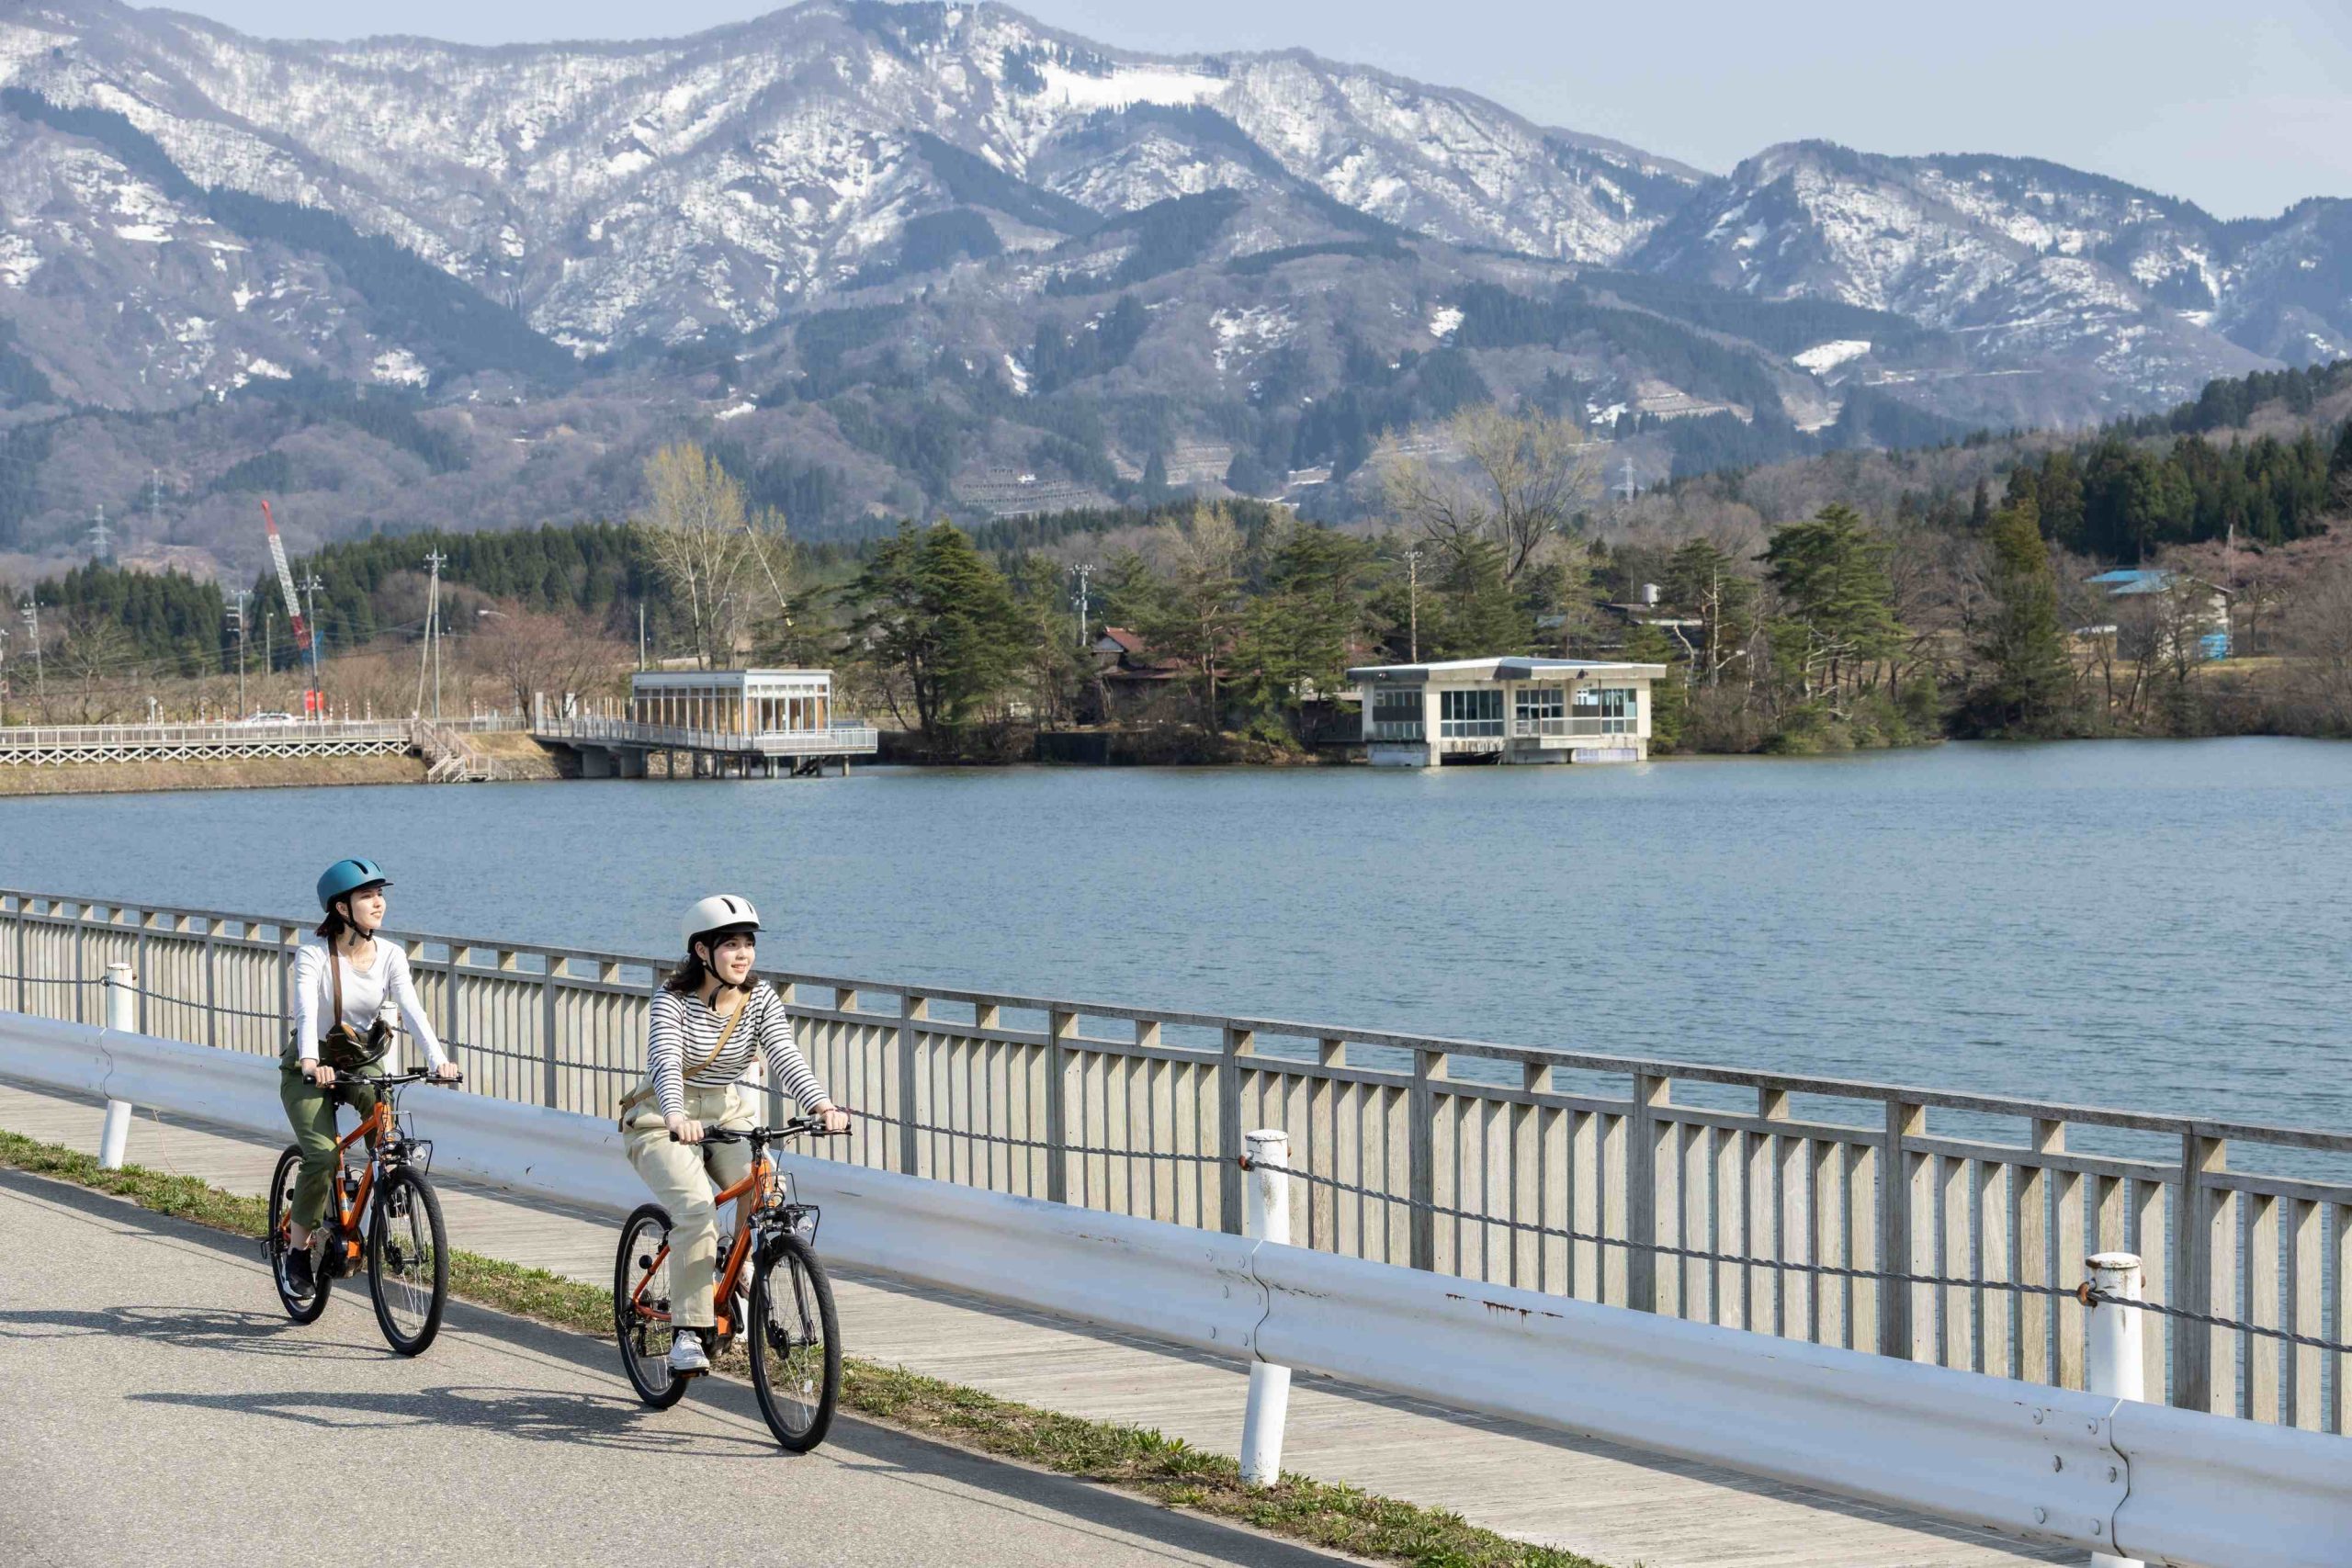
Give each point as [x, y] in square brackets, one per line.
[2117, 1368]
[1268, 1219]
[122, 1018]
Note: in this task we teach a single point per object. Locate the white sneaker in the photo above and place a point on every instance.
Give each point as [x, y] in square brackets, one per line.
[686, 1357]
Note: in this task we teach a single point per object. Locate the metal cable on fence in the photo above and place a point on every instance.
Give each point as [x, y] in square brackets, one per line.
[2084, 1292]
[47, 980]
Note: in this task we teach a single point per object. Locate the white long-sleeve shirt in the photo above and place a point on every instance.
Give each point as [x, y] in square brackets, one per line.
[368, 995]
[682, 1030]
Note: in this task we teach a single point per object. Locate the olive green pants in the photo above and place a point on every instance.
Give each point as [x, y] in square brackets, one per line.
[681, 1176]
[310, 1110]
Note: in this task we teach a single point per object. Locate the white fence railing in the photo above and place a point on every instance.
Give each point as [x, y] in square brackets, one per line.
[1819, 1210]
[834, 740]
[2093, 1471]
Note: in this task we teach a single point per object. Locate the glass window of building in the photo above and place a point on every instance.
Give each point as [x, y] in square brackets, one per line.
[1467, 715]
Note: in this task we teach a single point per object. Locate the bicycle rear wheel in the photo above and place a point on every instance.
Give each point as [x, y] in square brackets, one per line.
[641, 1290]
[796, 1345]
[408, 1262]
[300, 1307]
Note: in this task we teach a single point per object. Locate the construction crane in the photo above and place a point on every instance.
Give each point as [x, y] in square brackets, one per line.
[302, 639]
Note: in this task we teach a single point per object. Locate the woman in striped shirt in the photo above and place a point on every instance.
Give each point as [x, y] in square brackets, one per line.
[708, 1018]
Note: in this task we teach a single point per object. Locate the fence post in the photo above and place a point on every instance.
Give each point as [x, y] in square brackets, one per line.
[122, 1018]
[910, 1008]
[1268, 1219]
[1238, 1043]
[1420, 1159]
[2192, 1269]
[2117, 1368]
[1904, 1120]
[1641, 1190]
[548, 1085]
[1060, 1025]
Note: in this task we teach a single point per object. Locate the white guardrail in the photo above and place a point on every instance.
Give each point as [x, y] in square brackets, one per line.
[2103, 1475]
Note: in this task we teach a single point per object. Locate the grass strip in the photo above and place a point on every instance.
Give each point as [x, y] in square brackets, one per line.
[1167, 1469]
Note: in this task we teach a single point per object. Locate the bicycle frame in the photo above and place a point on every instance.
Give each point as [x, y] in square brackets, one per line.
[377, 1126]
[761, 1180]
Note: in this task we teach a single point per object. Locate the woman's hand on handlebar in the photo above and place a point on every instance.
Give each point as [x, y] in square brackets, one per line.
[318, 1072]
[684, 1129]
[836, 1119]
[447, 1073]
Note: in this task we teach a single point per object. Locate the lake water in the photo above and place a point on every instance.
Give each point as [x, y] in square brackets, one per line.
[2162, 926]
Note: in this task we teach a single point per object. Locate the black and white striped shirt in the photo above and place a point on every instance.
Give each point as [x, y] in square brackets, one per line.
[683, 1029]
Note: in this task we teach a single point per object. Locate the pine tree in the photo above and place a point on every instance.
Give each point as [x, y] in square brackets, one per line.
[1980, 509]
[931, 611]
[2026, 681]
[1839, 605]
[1478, 616]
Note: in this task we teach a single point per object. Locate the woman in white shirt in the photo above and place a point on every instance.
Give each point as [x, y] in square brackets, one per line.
[708, 1018]
[343, 962]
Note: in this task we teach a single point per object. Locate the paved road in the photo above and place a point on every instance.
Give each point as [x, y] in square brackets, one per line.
[156, 1407]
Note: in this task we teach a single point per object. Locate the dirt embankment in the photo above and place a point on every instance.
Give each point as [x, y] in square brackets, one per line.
[250, 773]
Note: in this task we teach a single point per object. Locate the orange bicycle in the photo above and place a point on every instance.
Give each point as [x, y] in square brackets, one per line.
[399, 1234]
[788, 1302]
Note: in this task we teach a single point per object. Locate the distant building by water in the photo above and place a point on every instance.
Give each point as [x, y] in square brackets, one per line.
[1506, 710]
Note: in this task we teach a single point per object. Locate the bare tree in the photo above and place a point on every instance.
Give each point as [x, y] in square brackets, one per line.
[707, 541]
[1522, 479]
[527, 653]
[2316, 631]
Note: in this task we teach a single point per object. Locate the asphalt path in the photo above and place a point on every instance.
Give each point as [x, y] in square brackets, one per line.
[156, 1407]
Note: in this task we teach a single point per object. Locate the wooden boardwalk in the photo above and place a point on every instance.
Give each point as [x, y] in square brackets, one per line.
[1615, 1505]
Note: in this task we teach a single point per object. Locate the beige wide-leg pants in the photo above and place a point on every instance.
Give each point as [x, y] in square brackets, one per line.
[681, 1176]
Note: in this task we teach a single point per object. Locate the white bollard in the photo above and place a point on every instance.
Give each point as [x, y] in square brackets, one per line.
[1266, 1215]
[122, 1018]
[2116, 1369]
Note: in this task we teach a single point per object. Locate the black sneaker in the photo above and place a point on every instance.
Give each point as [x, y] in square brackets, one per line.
[297, 1266]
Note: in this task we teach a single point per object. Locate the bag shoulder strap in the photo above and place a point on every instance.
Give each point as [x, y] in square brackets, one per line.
[335, 969]
[719, 1047]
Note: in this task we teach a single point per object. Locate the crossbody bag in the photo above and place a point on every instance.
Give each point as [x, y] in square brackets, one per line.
[644, 1090]
[342, 1047]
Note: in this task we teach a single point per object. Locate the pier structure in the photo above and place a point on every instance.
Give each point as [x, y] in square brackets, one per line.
[712, 724]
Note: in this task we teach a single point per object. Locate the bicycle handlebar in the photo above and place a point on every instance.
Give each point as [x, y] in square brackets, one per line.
[388, 1080]
[792, 1129]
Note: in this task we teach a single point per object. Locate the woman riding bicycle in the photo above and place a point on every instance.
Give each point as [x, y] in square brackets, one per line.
[345, 981]
[706, 1021]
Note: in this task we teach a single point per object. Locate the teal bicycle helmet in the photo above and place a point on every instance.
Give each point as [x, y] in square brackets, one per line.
[346, 877]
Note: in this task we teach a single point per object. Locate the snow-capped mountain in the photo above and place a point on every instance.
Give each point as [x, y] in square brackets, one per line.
[2035, 266]
[904, 257]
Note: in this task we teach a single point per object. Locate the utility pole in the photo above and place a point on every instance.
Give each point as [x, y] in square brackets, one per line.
[41, 678]
[1413, 605]
[268, 639]
[641, 634]
[435, 561]
[310, 586]
[156, 503]
[237, 619]
[1085, 575]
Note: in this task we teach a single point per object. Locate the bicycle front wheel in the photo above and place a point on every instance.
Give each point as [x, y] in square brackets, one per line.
[301, 1308]
[641, 1306]
[408, 1262]
[796, 1345]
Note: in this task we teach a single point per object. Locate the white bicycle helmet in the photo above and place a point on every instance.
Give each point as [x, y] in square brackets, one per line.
[719, 913]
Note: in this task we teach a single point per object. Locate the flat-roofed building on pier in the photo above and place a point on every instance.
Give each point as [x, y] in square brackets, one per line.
[1506, 710]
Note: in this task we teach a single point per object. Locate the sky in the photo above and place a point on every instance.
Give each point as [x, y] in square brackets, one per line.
[2243, 109]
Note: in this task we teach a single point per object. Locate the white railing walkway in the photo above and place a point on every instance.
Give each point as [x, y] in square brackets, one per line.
[1821, 1211]
[26, 745]
[2096, 1471]
[834, 740]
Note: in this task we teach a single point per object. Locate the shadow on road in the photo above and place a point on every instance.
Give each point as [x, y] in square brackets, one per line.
[544, 1415]
[191, 1328]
